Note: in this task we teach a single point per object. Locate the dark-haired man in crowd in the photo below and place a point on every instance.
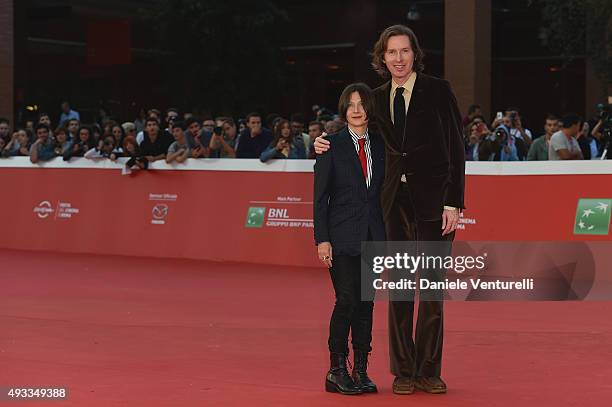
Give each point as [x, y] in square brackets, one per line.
[539, 148]
[179, 150]
[44, 118]
[197, 138]
[254, 139]
[4, 129]
[563, 144]
[155, 143]
[208, 125]
[297, 123]
[43, 148]
[73, 129]
[315, 129]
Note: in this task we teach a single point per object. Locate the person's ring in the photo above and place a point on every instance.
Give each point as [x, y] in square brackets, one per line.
[325, 257]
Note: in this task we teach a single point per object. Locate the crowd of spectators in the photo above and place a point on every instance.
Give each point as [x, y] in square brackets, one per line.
[506, 139]
[175, 137]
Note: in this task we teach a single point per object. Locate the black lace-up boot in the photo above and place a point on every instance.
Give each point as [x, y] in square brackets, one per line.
[360, 373]
[338, 379]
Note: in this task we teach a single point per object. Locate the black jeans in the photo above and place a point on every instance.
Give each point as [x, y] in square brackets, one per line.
[350, 313]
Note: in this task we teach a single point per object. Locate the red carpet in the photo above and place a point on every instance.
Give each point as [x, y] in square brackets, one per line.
[124, 331]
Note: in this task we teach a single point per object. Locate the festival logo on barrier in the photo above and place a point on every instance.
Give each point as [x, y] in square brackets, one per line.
[284, 212]
[159, 211]
[593, 217]
[43, 210]
[64, 210]
[464, 221]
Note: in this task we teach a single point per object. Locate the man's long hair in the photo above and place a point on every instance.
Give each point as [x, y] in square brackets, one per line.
[378, 53]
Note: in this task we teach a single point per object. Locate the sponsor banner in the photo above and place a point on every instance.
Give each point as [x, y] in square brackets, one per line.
[261, 216]
[284, 212]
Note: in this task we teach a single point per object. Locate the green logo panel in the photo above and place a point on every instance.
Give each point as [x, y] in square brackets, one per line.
[255, 217]
[593, 217]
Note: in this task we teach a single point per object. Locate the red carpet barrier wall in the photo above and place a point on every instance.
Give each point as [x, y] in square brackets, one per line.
[245, 211]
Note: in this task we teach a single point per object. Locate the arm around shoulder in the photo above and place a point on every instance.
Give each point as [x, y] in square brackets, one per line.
[323, 170]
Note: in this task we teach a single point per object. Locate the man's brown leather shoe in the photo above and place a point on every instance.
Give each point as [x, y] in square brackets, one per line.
[433, 385]
[403, 385]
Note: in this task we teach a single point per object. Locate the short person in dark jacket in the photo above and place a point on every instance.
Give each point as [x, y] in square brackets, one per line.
[347, 210]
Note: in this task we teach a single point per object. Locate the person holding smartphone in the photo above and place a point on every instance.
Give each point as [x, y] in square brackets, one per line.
[284, 144]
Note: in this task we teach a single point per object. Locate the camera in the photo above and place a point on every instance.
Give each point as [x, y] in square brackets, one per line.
[218, 130]
[606, 127]
[604, 113]
[502, 135]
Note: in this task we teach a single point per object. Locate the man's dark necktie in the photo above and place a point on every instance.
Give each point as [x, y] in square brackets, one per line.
[399, 113]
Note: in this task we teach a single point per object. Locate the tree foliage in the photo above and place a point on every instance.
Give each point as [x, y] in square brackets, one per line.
[581, 28]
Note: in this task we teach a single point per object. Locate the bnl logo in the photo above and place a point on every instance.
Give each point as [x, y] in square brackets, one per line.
[593, 217]
[256, 215]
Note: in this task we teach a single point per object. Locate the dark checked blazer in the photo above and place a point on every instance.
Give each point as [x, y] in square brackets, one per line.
[345, 209]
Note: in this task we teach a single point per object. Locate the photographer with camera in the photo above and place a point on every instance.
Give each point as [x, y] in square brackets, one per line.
[563, 144]
[172, 115]
[522, 136]
[223, 141]
[508, 145]
[602, 131]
